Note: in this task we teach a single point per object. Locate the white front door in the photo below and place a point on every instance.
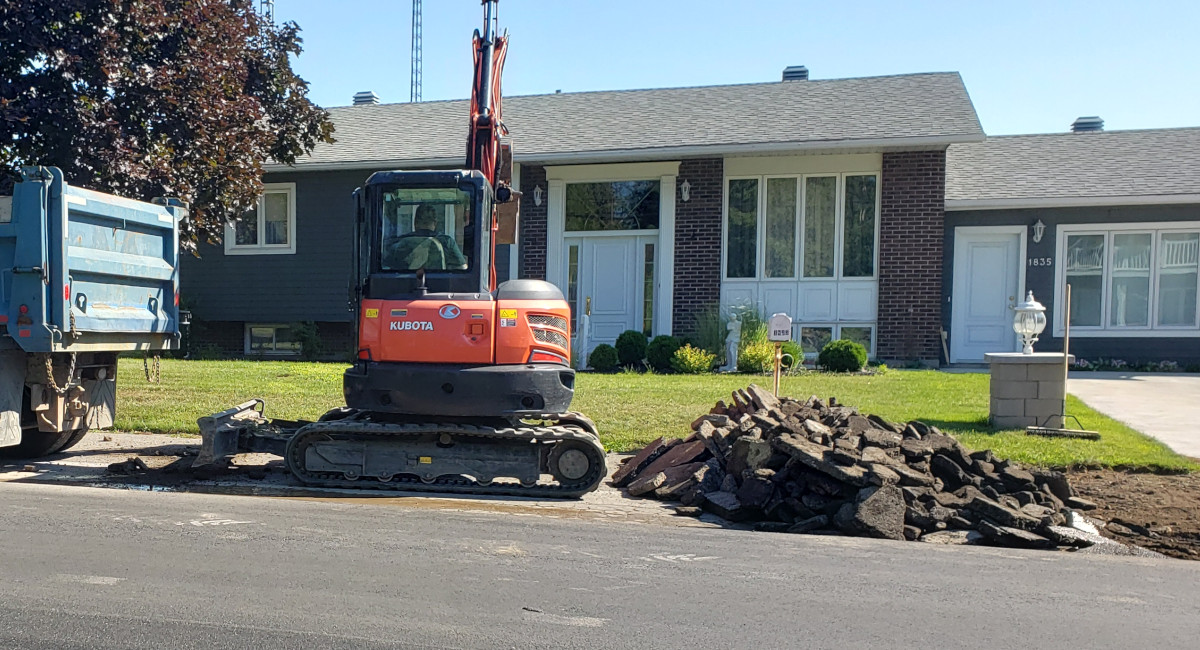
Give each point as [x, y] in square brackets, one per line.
[611, 272]
[987, 280]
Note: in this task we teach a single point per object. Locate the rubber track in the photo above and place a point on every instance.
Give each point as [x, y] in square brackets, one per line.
[455, 485]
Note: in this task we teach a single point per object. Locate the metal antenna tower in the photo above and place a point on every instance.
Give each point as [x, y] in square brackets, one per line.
[268, 10]
[414, 89]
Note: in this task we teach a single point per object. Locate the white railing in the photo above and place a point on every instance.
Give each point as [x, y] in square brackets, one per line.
[1085, 259]
[1179, 253]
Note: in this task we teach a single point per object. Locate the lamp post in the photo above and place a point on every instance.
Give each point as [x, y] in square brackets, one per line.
[1028, 322]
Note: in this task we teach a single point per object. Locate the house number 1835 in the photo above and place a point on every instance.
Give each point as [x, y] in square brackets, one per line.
[1041, 261]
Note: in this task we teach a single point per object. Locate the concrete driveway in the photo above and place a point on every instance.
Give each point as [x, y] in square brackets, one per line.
[1166, 406]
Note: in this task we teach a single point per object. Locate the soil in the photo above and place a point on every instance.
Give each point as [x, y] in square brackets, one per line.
[1160, 512]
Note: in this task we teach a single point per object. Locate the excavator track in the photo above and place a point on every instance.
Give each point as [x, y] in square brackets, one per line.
[449, 457]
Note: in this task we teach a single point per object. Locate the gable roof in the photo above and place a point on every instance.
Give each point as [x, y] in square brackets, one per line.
[918, 110]
[1075, 169]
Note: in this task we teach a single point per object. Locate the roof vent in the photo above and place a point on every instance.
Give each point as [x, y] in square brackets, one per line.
[1087, 125]
[795, 73]
[365, 98]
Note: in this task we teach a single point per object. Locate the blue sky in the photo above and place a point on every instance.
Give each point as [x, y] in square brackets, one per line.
[1030, 67]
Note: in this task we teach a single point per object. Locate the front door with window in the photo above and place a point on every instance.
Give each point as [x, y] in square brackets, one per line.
[987, 270]
[615, 275]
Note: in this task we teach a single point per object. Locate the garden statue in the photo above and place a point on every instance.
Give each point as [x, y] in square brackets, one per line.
[583, 334]
[731, 343]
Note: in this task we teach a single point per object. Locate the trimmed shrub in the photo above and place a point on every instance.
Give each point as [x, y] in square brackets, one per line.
[692, 361]
[842, 356]
[661, 350]
[756, 356]
[603, 358]
[631, 347]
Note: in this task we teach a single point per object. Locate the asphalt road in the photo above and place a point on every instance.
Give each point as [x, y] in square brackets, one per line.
[100, 568]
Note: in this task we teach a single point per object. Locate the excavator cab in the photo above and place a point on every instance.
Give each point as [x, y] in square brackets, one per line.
[422, 232]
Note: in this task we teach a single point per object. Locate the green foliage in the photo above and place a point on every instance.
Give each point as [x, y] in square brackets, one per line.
[309, 338]
[603, 358]
[631, 347]
[692, 361]
[793, 349]
[661, 350]
[709, 330]
[842, 356]
[756, 356]
[183, 98]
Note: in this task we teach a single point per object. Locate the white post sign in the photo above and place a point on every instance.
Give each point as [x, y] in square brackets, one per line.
[779, 328]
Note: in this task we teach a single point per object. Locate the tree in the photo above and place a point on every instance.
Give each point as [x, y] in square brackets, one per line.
[146, 98]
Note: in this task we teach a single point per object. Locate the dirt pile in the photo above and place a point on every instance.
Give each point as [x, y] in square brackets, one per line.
[817, 467]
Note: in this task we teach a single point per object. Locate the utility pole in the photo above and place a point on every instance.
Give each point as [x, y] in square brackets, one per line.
[268, 10]
[414, 90]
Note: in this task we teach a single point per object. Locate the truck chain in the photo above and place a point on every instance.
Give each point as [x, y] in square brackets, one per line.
[574, 431]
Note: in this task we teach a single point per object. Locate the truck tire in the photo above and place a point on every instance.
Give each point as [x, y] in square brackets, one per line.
[76, 436]
[35, 444]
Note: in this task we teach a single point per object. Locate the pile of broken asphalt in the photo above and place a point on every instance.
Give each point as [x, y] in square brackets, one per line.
[823, 468]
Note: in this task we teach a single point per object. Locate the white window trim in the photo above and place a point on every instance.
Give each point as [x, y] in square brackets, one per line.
[760, 255]
[1156, 228]
[246, 340]
[233, 248]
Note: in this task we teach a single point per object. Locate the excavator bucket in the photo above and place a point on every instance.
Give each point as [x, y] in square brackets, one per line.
[219, 432]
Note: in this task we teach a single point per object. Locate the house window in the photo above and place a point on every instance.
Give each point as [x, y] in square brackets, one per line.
[267, 339]
[781, 228]
[270, 228]
[742, 230]
[1177, 268]
[623, 205]
[815, 337]
[820, 224]
[858, 253]
[836, 227]
[1131, 277]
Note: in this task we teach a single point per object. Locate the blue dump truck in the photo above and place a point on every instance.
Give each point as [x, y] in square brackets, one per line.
[84, 276]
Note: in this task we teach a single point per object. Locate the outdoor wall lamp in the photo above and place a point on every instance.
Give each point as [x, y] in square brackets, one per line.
[1028, 322]
[538, 194]
[685, 191]
[1039, 229]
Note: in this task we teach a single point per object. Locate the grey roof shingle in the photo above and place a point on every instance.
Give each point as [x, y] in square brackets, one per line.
[1096, 165]
[933, 107]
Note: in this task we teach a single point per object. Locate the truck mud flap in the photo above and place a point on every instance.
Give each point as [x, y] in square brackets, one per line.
[12, 387]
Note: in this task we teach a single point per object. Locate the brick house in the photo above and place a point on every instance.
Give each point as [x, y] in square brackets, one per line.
[824, 199]
[1116, 214]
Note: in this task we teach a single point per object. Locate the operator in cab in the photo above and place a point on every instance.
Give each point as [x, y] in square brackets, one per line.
[425, 247]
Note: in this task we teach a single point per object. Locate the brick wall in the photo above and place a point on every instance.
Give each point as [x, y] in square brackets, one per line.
[912, 213]
[697, 241]
[532, 238]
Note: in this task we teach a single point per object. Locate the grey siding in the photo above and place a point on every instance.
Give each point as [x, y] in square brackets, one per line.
[1040, 279]
[310, 285]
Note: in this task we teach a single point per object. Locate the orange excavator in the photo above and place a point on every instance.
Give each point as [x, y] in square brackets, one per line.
[460, 384]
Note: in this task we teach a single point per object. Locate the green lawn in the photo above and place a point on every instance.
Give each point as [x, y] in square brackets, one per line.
[632, 409]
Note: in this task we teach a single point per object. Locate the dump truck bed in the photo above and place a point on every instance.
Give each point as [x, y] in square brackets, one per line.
[85, 271]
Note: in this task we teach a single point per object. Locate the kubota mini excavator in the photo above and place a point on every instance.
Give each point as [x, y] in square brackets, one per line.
[459, 385]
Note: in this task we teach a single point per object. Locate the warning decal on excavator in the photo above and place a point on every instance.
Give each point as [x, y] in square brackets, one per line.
[425, 460]
[508, 313]
[372, 313]
[399, 312]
